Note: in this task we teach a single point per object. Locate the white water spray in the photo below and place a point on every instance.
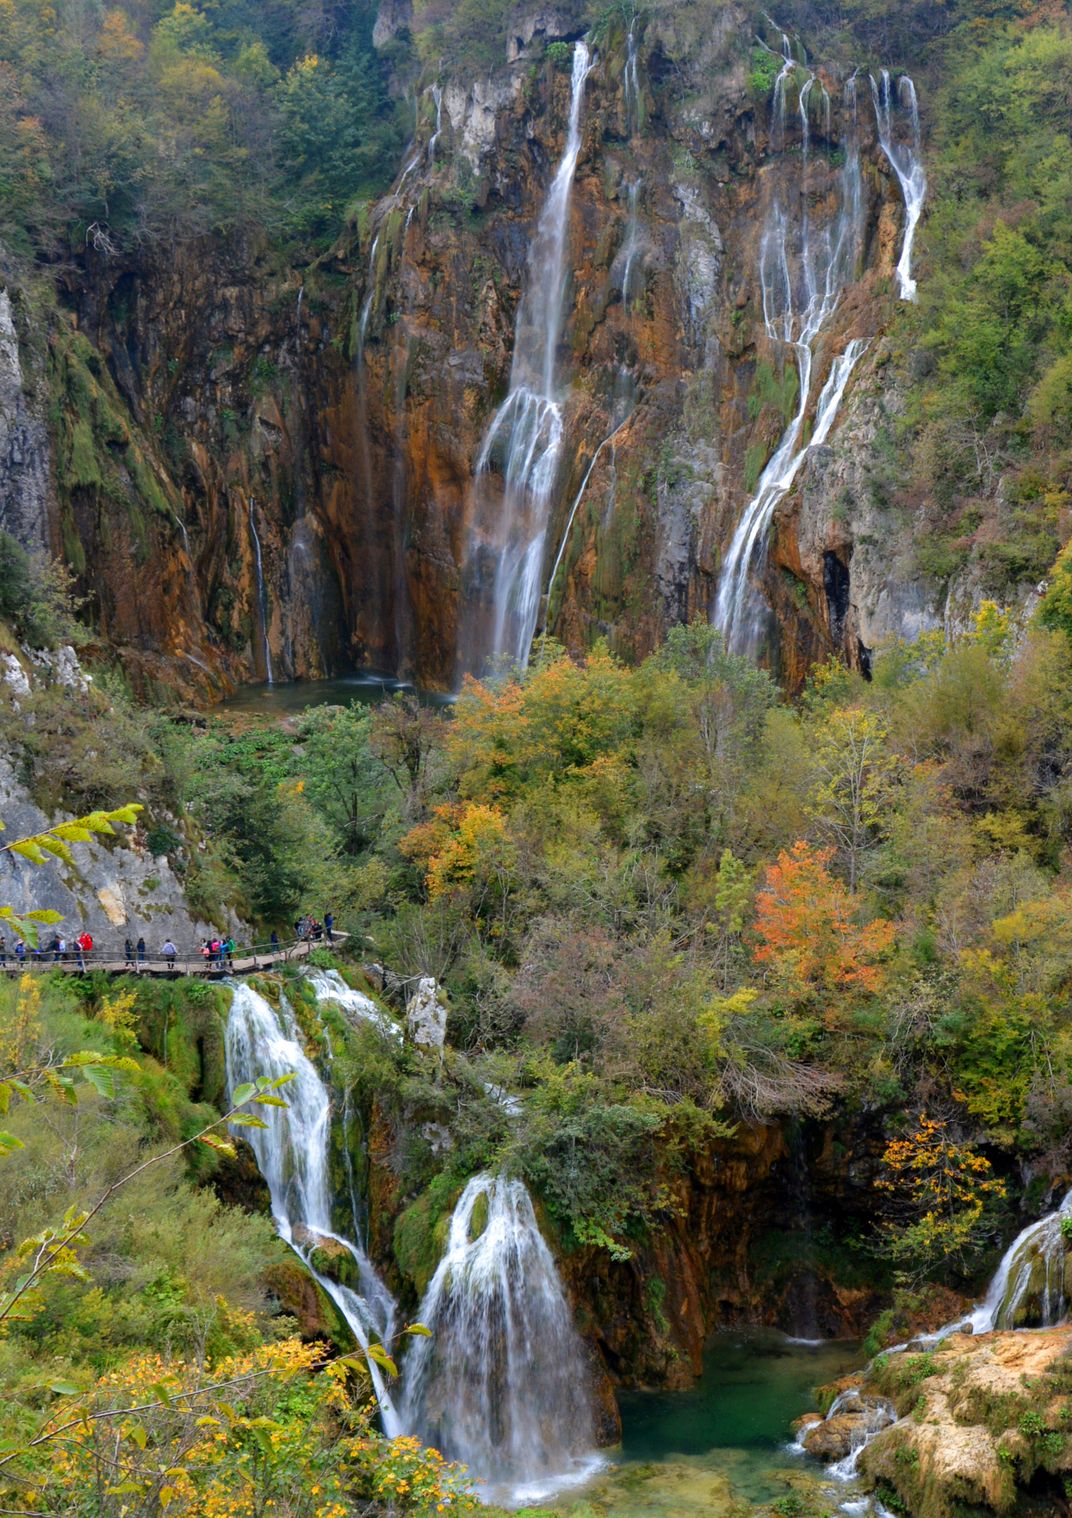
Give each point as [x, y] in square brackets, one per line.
[330, 986]
[631, 82]
[525, 438]
[803, 272]
[262, 591]
[906, 160]
[437, 96]
[501, 1384]
[292, 1154]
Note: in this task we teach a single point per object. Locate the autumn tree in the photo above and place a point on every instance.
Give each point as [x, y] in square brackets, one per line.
[938, 1193]
[809, 932]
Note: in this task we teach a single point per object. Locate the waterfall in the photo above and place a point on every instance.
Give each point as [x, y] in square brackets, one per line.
[525, 437]
[437, 96]
[621, 410]
[501, 1384]
[873, 1415]
[631, 82]
[631, 251]
[906, 160]
[292, 1154]
[262, 591]
[802, 271]
[330, 986]
[1029, 1288]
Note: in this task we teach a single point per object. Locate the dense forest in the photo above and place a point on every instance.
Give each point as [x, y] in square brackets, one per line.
[753, 972]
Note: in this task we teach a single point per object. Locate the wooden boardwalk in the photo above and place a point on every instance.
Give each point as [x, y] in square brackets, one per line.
[246, 961]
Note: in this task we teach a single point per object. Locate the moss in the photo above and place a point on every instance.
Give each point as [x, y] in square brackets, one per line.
[81, 468]
[478, 1219]
[754, 459]
[420, 1234]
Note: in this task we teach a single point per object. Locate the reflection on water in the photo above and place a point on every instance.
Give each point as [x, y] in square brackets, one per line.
[287, 697]
[723, 1446]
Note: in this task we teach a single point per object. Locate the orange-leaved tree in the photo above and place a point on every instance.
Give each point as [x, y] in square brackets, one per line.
[810, 935]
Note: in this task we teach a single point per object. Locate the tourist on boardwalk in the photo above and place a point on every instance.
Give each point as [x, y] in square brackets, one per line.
[227, 948]
[273, 942]
[20, 949]
[61, 947]
[3, 951]
[329, 925]
[85, 946]
[141, 951]
[128, 953]
[169, 952]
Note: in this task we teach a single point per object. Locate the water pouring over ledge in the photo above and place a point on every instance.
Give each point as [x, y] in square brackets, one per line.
[503, 567]
[292, 1156]
[501, 1385]
[803, 274]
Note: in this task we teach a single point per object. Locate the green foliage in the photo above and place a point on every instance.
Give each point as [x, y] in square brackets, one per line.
[765, 68]
[995, 305]
[35, 597]
[152, 122]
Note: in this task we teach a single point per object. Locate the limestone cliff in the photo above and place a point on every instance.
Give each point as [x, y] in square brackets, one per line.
[255, 466]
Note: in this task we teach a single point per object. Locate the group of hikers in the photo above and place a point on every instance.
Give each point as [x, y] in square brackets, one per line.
[312, 928]
[216, 952]
[55, 949]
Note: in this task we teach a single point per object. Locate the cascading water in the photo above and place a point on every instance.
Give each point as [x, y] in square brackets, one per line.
[501, 1383]
[623, 402]
[330, 986]
[631, 257]
[803, 271]
[906, 160]
[504, 562]
[437, 97]
[631, 82]
[1032, 1285]
[262, 592]
[292, 1154]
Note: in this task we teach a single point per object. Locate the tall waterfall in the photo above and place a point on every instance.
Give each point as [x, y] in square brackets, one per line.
[501, 1384]
[906, 160]
[292, 1153]
[803, 271]
[504, 562]
[262, 591]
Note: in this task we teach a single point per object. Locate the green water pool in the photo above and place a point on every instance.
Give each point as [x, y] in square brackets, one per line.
[721, 1448]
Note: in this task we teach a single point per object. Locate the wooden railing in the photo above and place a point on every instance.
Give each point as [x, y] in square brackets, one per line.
[245, 959]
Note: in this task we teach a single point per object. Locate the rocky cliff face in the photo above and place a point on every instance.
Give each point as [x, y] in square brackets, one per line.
[253, 466]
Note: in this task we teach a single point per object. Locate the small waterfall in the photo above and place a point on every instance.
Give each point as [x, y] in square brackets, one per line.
[631, 255]
[1030, 1286]
[505, 557]
[906, 160]
[624, 401]
[292, 1154]
[803, 271]
[873, 1414]
[501, 1385]
[330, 986]
[262, 591]
[631, 82]
[437, 96]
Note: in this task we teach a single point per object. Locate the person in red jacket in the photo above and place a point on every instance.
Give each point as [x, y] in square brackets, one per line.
[85, 946]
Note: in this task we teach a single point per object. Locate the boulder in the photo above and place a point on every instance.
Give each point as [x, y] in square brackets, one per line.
[426, 1016]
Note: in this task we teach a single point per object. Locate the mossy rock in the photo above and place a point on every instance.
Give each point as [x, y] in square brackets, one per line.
[420, 1236]
[306, 1300]
[478, 1218]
